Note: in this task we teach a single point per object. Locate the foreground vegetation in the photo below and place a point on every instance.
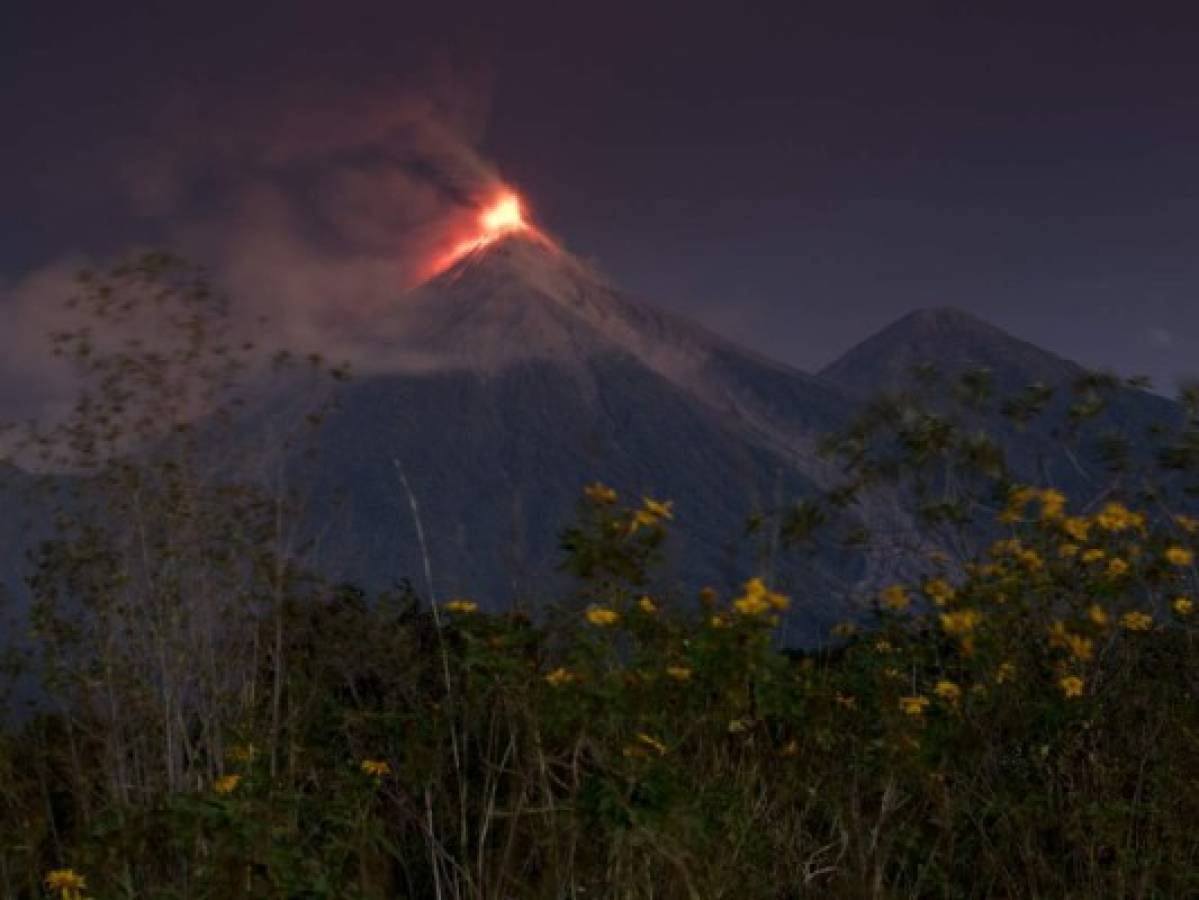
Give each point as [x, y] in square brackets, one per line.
[1017, 717]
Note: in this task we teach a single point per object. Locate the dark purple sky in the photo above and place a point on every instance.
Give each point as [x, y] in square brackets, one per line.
[794, 178]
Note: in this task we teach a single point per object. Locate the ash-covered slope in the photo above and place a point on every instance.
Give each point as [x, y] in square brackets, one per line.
[522, 299]
[506, 384]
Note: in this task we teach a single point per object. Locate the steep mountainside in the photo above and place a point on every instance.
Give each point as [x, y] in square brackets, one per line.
[505, 385]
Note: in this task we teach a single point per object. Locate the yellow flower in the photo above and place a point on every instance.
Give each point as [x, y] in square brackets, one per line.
[559, 677]
[652, 742]
[226, 784]
[1179, 556]
[780, 602]
[895, 598]
[652, 512]
[1098, 615]
[1017, 501]
[1095, 554]
[1066, 551]
[1081, 648]
[602, 616]
[1031, 560]
[939, 591]
[1116, 567]
[1136, 621]
[719, 621]
[1183, 606]
[1187, 524]
[69, 883]
[948, 691]
[1077, 527]
[376, 768]
[758, 599]
[1005, 672]
[960, 622]
[913, 706]
[462, 607]
[1053, 504]
[751, 605]
[663, 510]
[1057, 634]
[647, 605]
[599, 494]
[679, 673]
[1071, 686]
[1117, 517]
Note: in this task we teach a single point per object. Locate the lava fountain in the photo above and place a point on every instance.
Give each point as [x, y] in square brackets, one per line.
[503, 216]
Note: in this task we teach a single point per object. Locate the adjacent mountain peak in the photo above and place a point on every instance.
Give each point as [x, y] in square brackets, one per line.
[951, 340]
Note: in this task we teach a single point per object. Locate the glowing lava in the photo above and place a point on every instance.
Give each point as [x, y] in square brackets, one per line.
[502, 217]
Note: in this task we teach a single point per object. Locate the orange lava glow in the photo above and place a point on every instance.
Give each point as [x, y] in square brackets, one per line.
[502, 217]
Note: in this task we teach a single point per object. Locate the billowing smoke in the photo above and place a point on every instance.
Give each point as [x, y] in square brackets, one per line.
[313, 207]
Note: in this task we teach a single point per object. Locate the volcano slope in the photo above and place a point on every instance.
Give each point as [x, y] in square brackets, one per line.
[499, 389]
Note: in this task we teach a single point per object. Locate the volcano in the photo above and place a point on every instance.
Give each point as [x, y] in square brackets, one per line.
[487, 397]
[520, 374]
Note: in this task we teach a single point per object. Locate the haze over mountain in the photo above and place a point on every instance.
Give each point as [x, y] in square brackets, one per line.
[491, 394]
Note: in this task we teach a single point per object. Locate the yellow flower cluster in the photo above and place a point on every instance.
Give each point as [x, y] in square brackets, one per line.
[375, 768]
[759, 599]
[948, 691]
[226, 784]
[1053, 503]
[1072, 686]
[652, 512]
[1187, 524]
[560, 676]
[1136, 621]
[939, 591]
[1076, 527]
[960, 622]
[914, 705]
[69, 884]
[895, 598]
[1183, 606]
[1179, 556]
[599, 494]
[647, 605]
[1116, 517]
[602, 616]
[679, 673]
[462, 607]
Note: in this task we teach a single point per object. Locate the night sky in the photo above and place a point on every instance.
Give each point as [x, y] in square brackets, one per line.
[794, 178]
